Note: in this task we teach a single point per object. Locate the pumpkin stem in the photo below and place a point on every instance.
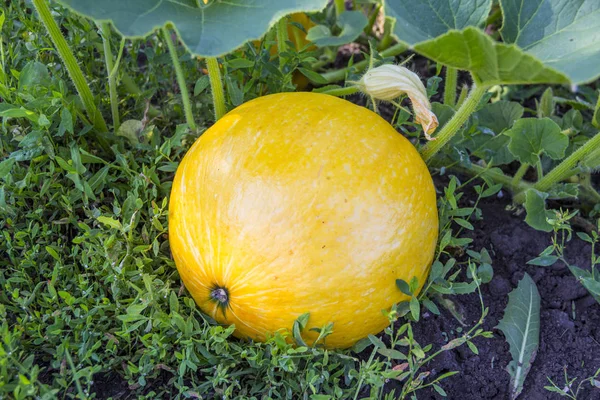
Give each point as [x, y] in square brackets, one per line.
[220, 295]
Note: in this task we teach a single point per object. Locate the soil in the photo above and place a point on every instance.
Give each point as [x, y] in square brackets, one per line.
[569, 317]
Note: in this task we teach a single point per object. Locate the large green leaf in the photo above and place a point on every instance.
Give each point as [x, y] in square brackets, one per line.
[352, 24]
[563, 34]
[521, 327]
[545, 41]
[530, 137]
[490, 62]
[487, 142]
[206, 30]
[537, 215]
[421, 20]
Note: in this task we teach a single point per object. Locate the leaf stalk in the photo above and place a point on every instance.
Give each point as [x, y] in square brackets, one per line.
[455, 123]
[185, 97]
[216, 86]
[71, 65]
[565, 169]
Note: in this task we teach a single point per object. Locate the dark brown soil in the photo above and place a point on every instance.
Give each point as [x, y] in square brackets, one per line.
[570, 318]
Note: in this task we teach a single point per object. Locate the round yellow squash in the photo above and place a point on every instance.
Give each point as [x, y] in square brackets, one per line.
[302, 202]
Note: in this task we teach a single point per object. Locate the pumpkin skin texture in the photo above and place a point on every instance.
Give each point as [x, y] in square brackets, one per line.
[302, 202]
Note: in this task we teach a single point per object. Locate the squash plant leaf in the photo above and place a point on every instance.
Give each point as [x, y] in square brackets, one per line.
[352, 24]
[537, 215]
[421, 20]
[544, 41]
[489, 61]
[530, 137]
[210, 30]
[563, 34]
[487, 142]
[521, 327]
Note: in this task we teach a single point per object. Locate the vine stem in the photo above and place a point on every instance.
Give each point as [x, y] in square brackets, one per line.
[71, 64]
[282, 37]
[112, 79]
[565, 168]
[496, 176]
[185, 97]
[340, 6]
[450, 86]
[339, 92]
[452, 127]
[520, 173]
[216, 87]
[340, 74]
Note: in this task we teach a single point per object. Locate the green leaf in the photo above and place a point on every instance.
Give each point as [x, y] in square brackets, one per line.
[299, 325]
[430, 305]
[440, 391]
[543, 261]
[206, 30]
[485, 272]
[352, 24]
[377, 342]
[6, 166]
[421, 20]
[500, 115]
[546, 104]
[587, 280]
[415, 308]
[201, 85]
[490, 62]
[34, 73]
[521, 327]
[530, 137]
[404, 287]
[473, 348]
[443, 112]
[313, 76]
[131, 129]
[563, 191]
[563, 34]
[110, 222]
[393, 354]
[66, 122]
[537, 214]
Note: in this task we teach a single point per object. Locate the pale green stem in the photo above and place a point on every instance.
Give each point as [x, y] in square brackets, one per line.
[340, 6]
[185, 97]
[450, 86]
[520, 173]
[112, 80]
[462, 96]
[340, 74]
[339, 92]
[496, 176]
[539, 169]
[360, 381]
[216, 86]
[455, 123]
[565, 169]
[282, 37]
[71, 65]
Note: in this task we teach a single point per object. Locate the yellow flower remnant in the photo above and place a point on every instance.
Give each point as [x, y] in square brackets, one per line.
[388, 82]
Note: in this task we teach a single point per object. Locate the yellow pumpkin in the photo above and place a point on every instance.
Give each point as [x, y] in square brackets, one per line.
[302, 202]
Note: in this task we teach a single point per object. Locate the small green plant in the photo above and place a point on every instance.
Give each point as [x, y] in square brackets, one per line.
[563, 233]
[568, 390]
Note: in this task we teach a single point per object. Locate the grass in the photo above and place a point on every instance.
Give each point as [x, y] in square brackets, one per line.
[91, 293]
[91, 297]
